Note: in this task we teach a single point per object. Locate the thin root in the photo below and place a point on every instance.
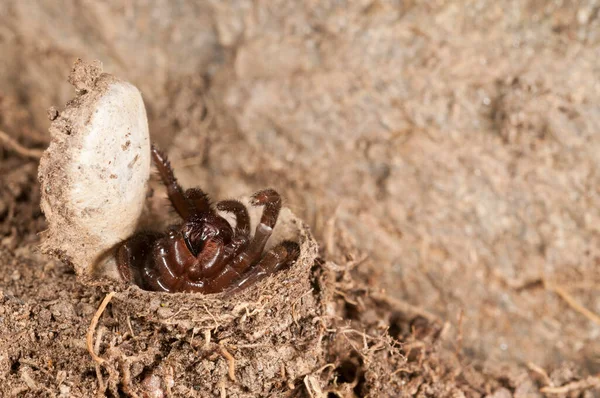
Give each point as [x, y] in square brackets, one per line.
[572, 302]
[231, 361]
[206, 339]
[313, 387]
[222, 388]
[130, 327]
[543, 374]
[101, 386]
[92, 328]
[585, 384]
[18, 148]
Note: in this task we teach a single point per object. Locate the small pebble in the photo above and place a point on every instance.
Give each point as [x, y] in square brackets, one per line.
[16, 275]
[52, 113]
[164, 312]
[153, 387]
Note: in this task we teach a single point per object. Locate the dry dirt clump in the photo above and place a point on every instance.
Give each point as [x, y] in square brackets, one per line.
[94, 173]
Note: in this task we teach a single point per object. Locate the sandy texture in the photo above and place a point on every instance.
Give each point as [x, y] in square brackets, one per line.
[445, 152]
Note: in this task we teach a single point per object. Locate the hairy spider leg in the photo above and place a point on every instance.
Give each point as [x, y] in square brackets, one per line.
[235, 247]
[176, 195]
[271, 201]
[198, 199]
[237, 208]
[279, 257]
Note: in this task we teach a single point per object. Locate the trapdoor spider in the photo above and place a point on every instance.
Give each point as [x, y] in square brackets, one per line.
[204, 254]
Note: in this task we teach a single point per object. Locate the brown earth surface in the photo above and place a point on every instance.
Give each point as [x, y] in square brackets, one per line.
[443, 153]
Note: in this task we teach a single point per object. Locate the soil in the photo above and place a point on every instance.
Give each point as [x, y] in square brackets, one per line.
[443, 155]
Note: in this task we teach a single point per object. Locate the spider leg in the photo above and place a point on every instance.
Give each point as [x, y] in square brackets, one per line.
[279, 257]
[214, 258]
[235, 247]
[171, 259]
[218, 281]
[142, 259]
[242, 220]
[176, 195]
[198, 199]
[131, 255]
[152, 281]
[271, 201]
[177, 269]
[223, 280]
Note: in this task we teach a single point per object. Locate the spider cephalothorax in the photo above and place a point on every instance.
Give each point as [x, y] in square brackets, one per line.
[205, 254]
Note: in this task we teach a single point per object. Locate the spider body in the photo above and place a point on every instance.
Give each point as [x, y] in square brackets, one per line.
[204, 254]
